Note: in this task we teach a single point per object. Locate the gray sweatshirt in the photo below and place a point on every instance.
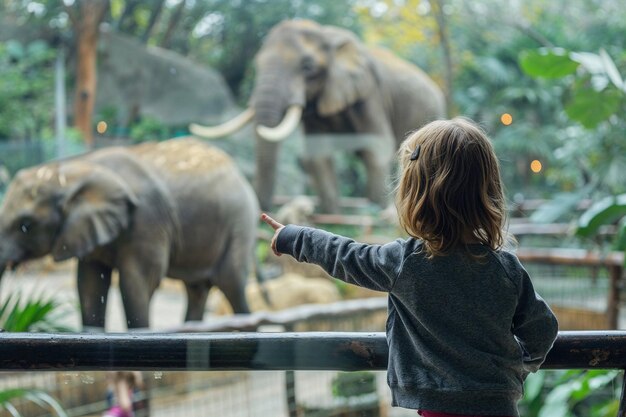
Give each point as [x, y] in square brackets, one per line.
[462, 333]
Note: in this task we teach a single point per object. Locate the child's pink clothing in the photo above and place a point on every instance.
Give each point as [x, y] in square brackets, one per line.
[436, 414]
[117, 411]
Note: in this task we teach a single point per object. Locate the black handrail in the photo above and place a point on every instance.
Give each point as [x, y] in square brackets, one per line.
[347, 351]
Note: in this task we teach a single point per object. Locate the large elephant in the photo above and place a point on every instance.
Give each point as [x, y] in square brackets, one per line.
[178, 208]
[324, 76]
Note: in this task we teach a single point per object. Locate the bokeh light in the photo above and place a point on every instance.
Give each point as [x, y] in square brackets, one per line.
[535, 166]
[506, 119]
[101, 127]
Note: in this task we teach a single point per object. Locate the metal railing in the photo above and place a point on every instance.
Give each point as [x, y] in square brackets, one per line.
[345, 351]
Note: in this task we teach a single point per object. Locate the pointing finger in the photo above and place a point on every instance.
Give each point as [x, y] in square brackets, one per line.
[267, 219]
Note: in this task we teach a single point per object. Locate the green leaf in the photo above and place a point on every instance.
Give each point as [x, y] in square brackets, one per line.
[605, 211]
[611, 70]
[35, 314]
[590, 107]
[591, 381]
[590, 61]
[554, 410]
[560, 205]
[533, 385]
[547, 63]
[37, 396]
[620, 240]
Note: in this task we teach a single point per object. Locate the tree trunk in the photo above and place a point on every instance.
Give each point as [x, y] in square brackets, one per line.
[155, 14]
[173, 23]
[86, 20]
[126, 22]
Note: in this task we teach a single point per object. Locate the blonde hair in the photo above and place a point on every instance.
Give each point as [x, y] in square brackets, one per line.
[451, 194]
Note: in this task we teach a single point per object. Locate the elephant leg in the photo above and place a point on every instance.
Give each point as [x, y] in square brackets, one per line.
[231, 279]
[197, 294]
[140, 276]
[322, 172]
[93, 282]
[378, 172]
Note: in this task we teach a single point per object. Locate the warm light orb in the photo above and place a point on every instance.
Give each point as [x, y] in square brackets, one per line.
[101, 127]
[506, 119]
[535, 166]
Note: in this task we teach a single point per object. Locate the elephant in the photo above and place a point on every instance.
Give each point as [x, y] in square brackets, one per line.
[326, 78]
[178, 208]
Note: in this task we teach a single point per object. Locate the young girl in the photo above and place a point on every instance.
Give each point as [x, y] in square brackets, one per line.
[121, 392]
[465, 325]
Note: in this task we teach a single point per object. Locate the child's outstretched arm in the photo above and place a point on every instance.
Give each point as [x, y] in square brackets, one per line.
[371, 266]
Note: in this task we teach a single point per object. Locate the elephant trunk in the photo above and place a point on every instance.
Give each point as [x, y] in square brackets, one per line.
[278, 100]
[285, 127]
[272, 96]
[265, 178]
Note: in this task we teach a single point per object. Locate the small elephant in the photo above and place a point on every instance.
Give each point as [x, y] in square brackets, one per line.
[178, 208]
[326, 78]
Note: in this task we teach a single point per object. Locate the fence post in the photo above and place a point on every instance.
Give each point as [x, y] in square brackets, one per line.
[615, 277]
[290, 386]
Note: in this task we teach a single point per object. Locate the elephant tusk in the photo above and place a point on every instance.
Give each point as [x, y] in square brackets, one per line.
[226, 128]
[284, 128]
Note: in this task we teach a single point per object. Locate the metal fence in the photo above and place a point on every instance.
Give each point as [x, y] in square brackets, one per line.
[259, 353]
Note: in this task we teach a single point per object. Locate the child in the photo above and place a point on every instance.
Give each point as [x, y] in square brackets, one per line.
[122, 387]
[465, 326]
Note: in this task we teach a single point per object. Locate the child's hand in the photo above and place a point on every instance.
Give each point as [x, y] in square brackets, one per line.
[277, 228]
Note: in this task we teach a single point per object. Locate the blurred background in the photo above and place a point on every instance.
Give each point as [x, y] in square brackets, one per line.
[545, 79]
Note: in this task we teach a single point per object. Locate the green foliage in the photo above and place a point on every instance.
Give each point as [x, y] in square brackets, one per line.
[496, 86]
[32, 314]
[574, 393]
[350, 384]
[148, 128]
[41, 398]
[606, 211]
[609, 210]
[620, 240]
[547, 63]
[597, 100]
[35, 313]
[591, 107]
[26, 89]
[595, 96]
[560, 204]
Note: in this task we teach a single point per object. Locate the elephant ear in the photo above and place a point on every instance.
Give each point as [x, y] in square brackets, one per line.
[350, 77]
[97, 208]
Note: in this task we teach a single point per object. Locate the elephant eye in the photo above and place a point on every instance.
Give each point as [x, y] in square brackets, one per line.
[308, 65]
[26, 224]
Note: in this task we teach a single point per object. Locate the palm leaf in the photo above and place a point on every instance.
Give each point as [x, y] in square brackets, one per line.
[556, 208]
[35, 313]
[605, 211]
[41, 398]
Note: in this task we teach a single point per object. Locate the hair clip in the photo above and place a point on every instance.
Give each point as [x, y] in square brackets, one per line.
[415, 154]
